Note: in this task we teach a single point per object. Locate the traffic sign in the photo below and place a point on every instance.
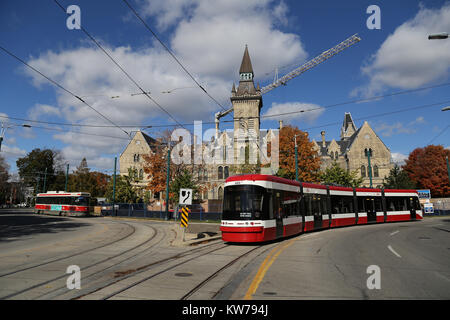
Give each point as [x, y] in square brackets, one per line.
[186, 196]
[185, 217]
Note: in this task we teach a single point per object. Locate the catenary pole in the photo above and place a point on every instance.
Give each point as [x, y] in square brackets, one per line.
[114, 187]
[167, 183]
[67, 177]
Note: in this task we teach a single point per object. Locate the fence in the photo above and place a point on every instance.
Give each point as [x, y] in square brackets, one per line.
[140, 210]
[441, 207]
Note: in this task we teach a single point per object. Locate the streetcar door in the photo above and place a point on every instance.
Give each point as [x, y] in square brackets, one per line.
[412, 208]
[278, 214]
[371, 212]
[317, 210]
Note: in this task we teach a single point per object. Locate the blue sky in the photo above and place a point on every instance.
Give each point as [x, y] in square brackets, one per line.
[209, 38]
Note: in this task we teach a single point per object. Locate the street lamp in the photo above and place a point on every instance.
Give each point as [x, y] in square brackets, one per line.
[4, 128]
[368, 153]
[296, 157]
[446, 108]
[438, 36]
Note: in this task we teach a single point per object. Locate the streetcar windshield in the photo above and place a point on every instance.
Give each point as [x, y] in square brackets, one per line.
[244, 203]
[81, 201]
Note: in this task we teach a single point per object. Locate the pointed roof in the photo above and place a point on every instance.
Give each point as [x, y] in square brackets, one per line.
[348, 121]
[246, 65]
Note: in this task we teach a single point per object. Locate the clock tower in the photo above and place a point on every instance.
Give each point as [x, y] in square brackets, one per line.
[247, 104]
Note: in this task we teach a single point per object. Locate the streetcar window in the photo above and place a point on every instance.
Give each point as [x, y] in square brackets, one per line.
[361, 205]
[341, 204]
[245, 203]
[397, 203]
[378, 206]
[81, 201]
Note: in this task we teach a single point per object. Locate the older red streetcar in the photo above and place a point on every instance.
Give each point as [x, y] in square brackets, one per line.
[259, 207]
[63, 203]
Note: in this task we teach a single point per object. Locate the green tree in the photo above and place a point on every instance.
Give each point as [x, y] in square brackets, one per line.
[398, 179]
[38, 165]
[4, 176]
[125, 192]
[339, 176]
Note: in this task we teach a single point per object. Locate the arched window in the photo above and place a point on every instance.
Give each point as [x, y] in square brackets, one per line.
[242, 153]
[220, 195]
[336, 155]
[332, 155]
[220, 173]
[363, 171]
[141, 174]
[226, 172]
[375, 171]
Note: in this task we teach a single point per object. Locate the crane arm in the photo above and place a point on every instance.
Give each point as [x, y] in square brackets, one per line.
[303, 68]
[312, 63]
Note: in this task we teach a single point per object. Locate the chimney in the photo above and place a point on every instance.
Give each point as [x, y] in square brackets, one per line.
[281, 124]
[323, 138]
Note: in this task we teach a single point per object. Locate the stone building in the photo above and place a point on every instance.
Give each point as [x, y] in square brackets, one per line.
[247, 103]
[132, 158]
[353, 149]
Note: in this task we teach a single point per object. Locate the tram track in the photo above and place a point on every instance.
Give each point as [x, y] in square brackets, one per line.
[215, 274]
[97, 263]
[190, 255]
[71, 255]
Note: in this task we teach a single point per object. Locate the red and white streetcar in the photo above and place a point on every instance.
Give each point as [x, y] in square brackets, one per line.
[259, 207]
[63, 203]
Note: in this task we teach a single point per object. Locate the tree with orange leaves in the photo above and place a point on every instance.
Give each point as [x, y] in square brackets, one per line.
[308, 159]
[427, 167]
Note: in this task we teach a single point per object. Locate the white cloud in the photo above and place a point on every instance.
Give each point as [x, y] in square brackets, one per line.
[213, 57]
[388, 130]
[290, 111]
[40, 111]
[399, 158]
[12, 152]
[407, 59]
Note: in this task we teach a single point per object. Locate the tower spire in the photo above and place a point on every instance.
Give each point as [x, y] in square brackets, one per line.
[246, 65]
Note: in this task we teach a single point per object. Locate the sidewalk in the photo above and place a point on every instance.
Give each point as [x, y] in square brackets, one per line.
[196, 233]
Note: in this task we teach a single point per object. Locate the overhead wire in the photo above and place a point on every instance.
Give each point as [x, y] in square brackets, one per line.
[120, 67]
[61, 87]
[171, 53]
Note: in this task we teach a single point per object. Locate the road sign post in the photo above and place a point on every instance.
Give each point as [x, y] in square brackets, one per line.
[184, 220]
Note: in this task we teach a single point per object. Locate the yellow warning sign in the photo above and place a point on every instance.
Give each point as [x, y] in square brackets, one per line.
[185, 217]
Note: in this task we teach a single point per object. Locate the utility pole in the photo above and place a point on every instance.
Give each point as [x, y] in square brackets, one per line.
[167, 182]
[296, 158]
[368, 153]
[4, 128]
[448, 169]
[45, 179]
[67, 177]
[114, 187]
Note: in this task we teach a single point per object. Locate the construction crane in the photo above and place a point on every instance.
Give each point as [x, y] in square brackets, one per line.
[298, 71]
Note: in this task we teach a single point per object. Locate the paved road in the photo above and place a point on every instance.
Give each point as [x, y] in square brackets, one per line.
[413, 260]
[143, 259]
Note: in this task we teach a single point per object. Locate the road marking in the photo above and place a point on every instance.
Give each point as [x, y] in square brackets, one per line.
[393, 251]
[264, 267]
[442, 276]
[395, 232]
